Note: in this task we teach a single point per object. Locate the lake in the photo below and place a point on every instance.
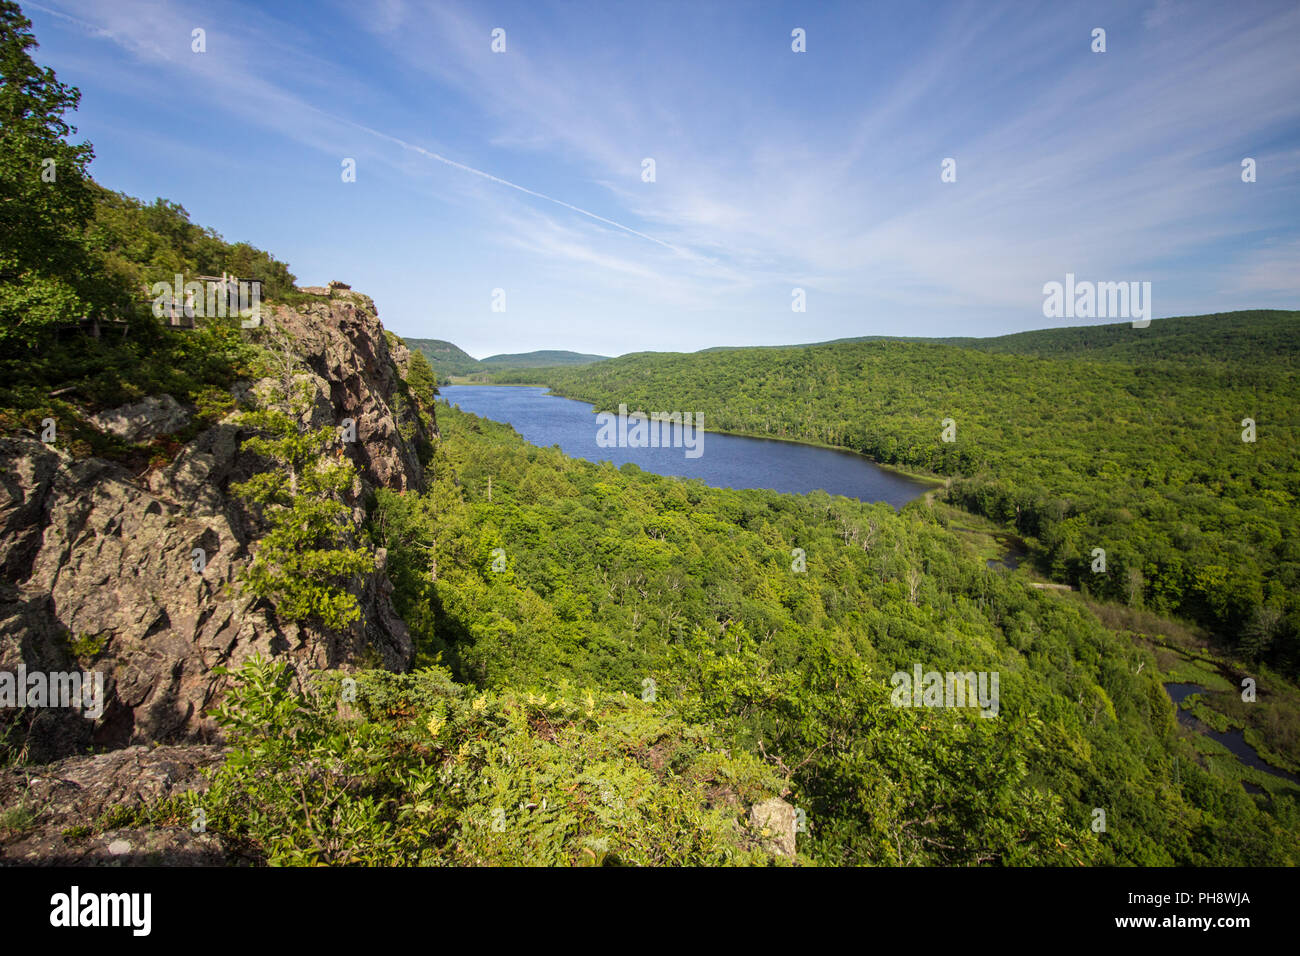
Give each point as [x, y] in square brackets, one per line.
[725, 461]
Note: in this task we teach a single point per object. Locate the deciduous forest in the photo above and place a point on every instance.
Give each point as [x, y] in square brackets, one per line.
[1134, 441]
[590, 665]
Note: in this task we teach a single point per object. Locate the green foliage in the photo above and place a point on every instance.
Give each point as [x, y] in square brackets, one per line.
[86, 647]
[299, 564]
[48, 276]
[17, 819]
[211, 404]
[614, 578]
[195, 366]
[1108, 437]
[422, 771]
[422, 382]
[141, 244]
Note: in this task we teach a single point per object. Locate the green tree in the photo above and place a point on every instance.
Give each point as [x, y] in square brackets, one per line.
[422, 381]
[1260, 632]
[47, 274]
[299, 563]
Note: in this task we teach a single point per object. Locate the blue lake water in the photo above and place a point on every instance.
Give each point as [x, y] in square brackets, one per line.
[725, 461]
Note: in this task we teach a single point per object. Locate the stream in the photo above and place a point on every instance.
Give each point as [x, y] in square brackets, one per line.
[1234, 740]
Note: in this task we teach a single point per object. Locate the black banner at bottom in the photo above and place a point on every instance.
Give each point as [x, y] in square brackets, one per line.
[333, 906]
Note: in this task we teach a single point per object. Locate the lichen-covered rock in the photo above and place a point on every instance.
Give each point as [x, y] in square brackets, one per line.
[401, 355]
[342, 343]
[775, 821]
[54, 812]
[148, 418]
[136, 577]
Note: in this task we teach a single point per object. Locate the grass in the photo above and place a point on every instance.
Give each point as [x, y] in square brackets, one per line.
[17, 820]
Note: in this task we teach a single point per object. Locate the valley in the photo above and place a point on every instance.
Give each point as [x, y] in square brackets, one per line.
[297, 588]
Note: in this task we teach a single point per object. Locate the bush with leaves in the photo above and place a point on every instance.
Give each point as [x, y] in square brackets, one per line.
[420, 770]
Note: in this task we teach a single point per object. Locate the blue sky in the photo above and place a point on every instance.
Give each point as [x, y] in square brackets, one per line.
[774, 170]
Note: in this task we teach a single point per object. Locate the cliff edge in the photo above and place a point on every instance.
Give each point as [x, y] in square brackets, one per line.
[99, 572]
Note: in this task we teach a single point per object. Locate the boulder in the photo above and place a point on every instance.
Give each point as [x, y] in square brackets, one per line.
[56, 811]
[775, 821]
[142, 420]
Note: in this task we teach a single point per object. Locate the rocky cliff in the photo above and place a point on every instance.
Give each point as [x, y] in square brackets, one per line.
[98, 566]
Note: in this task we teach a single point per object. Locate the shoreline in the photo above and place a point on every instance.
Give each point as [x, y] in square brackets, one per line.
[936, 482]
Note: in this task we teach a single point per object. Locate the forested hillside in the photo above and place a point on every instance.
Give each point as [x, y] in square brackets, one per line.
[1230, 337]
[1141, 457]
[338, 622]
[569, 574]
[542, 358]
[1227, 336]
[448, 360]
[128, 244]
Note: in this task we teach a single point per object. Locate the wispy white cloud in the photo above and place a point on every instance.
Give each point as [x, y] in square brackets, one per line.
[1116, 165]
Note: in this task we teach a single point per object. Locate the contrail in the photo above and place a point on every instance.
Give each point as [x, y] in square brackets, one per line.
[71, 19]
[504, 182]
[405, 145]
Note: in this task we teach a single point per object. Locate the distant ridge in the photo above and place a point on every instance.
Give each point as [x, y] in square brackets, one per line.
[448, 359]
[1215, 337]
[542, 359]
[1218, 335]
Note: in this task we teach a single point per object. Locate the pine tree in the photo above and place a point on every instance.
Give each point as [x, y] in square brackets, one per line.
[299, 563]
[421, 379]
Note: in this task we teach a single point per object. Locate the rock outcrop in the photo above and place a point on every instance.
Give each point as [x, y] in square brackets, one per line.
[776, 822]
[343, 345]
[102, 570]
[156, 415]
[56, 813]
